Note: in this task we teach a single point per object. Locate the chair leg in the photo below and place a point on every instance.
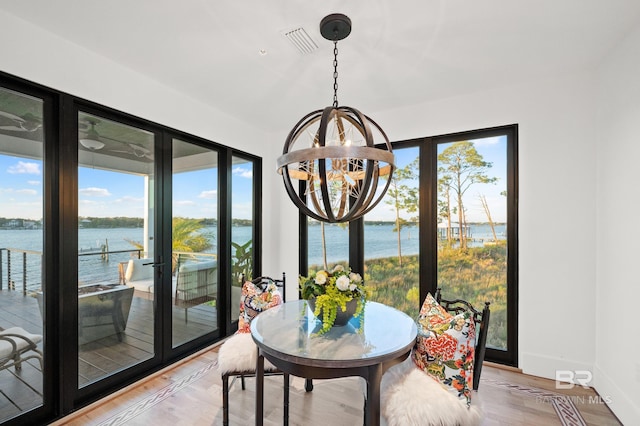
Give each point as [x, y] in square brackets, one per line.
[17, 362]
[286, 400]
[225, 399]
[242, 381]
[364, 408]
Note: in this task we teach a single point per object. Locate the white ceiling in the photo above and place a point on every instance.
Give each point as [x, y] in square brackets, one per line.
[399, 52]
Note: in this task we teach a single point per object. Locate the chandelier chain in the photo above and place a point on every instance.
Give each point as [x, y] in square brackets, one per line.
[335, 74]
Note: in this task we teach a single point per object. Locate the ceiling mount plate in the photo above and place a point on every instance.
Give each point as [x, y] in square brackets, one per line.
[335, 27]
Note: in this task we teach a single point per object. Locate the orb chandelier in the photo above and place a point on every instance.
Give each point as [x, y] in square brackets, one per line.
[332, 153]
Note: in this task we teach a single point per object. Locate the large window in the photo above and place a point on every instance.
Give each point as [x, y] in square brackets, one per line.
[119, 241]
[22, 289]
[392, 238]
[448, 221]
[472, 225]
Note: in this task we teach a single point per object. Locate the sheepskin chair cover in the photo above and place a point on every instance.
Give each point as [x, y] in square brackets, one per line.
[409, 397]
[239, 353]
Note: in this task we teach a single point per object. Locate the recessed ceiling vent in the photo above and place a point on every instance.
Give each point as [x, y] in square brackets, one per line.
[301, 40]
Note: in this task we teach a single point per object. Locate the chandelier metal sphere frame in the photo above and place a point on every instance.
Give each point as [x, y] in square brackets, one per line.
[333, 153]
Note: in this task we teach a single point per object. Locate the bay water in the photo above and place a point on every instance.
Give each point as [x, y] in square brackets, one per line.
[380, 242]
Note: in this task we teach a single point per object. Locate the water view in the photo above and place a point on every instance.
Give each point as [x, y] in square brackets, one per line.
[381, 243]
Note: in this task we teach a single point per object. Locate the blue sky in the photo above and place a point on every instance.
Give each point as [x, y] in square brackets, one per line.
[20, 188]
[492, 150]
[108, 194]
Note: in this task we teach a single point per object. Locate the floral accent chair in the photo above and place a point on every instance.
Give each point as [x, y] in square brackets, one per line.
[481, 322]
[434, 385]
[238, 355]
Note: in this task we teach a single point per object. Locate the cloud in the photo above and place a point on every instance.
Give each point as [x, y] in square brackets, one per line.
[33, 182]
[241, 171]
[27, 191]
[129, 199]
[94, 192]
[208, 194]
[24, 168]
[6, 190]
[184, 203]
[494, 140]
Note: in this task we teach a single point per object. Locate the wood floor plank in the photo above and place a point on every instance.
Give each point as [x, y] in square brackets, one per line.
[505, 397]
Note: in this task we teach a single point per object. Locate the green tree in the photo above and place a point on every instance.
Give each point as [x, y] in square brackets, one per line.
[444, 206]
[242, 262]
[187, 236]
[460, 167]
[403, 197]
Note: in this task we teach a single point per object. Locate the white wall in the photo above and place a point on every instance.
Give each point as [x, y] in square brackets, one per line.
[617, 365]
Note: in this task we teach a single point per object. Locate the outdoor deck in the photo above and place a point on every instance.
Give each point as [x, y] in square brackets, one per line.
[21, 391]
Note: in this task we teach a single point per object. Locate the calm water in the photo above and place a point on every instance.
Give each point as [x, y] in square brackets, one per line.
[380, 241]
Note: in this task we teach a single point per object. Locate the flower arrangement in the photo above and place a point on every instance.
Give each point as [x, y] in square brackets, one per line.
[333, 290]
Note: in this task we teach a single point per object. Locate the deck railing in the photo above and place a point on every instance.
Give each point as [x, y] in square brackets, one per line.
[23, 268]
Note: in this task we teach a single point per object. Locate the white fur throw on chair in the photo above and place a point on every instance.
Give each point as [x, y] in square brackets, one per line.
[408, 396]
[239, 353]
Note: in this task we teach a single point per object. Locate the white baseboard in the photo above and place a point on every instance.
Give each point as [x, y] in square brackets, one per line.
[617, 399]
[545, 366]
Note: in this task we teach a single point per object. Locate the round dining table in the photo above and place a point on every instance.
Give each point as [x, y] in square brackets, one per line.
[288, 337]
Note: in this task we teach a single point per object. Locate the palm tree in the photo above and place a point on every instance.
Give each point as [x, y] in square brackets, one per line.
[187, 236]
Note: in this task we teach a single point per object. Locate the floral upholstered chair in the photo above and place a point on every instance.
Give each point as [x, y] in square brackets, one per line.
[434, 385]
[238, 355]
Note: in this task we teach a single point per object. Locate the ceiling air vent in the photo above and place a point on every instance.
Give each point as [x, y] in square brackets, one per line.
[301, 40]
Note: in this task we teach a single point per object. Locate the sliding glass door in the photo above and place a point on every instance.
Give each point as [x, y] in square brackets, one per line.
[116, 247]
[121, 245]
[22, 269]
[195, 275]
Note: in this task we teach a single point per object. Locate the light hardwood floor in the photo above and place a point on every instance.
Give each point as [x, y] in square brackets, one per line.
[190, 393]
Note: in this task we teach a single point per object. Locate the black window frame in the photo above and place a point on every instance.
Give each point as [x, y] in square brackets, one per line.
[428, 255]
[60, 217]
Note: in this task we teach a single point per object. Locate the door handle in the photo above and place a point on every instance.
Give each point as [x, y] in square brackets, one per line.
[154, 264]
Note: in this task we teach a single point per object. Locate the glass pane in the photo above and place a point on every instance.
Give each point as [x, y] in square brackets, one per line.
[472, 244]
[21, 252]
[391, 243]
[115, 247]
[194, 269]
[242, 228]
[328, 245]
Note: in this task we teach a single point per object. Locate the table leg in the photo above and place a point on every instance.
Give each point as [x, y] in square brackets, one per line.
[286, 400]
[372, 405]
[259, 389]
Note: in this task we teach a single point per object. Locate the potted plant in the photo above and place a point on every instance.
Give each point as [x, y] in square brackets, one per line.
[335, 297]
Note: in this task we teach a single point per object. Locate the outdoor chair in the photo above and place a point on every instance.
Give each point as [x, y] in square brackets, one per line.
[196, 283]
[15, 347]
